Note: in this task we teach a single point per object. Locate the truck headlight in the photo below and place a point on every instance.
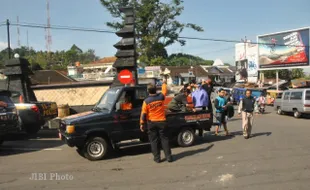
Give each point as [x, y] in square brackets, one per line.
[70, 129]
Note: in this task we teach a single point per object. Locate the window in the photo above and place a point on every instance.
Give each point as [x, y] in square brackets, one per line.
[5, 99]
[308, 95]
[279, 95]
[296, 95]
[107, 100]
[286, 95]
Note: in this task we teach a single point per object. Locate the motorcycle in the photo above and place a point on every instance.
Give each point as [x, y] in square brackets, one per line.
[261, 108]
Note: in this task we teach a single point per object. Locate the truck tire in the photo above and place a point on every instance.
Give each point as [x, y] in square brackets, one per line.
[279, 111]
[297, 114]
[96, 148]
[186, 137]
[1, 141]
[32, 129]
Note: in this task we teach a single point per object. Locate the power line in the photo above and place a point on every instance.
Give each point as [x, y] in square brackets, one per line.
[82, 29]
[63, 28]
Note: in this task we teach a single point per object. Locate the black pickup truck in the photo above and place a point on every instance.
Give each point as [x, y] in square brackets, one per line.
[95, 133]
[8, 115]
[32, 114]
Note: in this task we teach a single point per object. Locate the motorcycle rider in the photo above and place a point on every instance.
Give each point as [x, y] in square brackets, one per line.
[261, 103]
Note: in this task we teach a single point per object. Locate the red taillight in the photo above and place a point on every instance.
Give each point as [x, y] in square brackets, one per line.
[307, 105]
[35, 109]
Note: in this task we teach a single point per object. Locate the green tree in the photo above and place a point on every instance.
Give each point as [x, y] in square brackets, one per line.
[285, 74]
[181, 59]
[51, 60]
[156, 25]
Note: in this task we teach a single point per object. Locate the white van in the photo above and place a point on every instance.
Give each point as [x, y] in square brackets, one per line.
[295, 101]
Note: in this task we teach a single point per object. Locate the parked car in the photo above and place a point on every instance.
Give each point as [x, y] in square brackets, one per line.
[33, 115]
[95, 133]
[8, 115]
[295, 101]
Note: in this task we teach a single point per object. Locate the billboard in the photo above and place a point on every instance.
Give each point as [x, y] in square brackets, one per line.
[241, 71]
[284, 50]
[246, 62]
[240, 51]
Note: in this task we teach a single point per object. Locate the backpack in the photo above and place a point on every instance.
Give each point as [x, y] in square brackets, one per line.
[230, 111]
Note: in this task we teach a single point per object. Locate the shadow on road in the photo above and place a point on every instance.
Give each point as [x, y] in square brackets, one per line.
[20, 136]
[240, 133]
[20, 143]
[210, 137]
[261, 134]
[234, 119]
[192, 152]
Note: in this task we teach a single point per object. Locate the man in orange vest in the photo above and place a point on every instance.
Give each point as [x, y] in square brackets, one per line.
[153, 115]
[127, 105]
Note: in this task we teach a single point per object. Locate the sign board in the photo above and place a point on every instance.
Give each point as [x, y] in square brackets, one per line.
[251, 54]
[141, 71]
[240, 51]
[284, 50]
[125, 76]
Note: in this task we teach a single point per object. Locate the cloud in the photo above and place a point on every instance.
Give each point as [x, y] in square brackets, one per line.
[3, 45]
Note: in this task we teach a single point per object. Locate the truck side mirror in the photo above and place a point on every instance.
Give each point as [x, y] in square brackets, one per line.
[118, 106]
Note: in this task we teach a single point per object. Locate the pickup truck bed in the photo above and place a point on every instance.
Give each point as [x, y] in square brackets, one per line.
[33, 115]
[97, 132]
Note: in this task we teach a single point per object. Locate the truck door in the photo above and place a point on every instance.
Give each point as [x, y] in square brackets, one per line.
[128, 111]
[285, 102]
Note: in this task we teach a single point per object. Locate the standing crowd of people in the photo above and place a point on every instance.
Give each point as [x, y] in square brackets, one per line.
[153, 116]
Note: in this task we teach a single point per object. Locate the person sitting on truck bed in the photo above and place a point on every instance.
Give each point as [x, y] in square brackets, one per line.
[179, 102]
[153, 114]
[127, 105]
[200, 98]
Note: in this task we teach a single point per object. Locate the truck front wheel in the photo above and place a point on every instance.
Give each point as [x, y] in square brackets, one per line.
[96, 148]
[186, 137]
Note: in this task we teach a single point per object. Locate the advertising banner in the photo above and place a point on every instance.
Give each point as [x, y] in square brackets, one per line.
[241, 71]
[252, 51]
[284, 50]
[246, 62]
[240, 51]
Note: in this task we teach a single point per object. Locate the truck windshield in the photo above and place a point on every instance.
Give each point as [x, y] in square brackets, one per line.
[107, 100]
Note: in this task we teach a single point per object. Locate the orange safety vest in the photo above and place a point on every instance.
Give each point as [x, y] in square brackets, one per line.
[21, 99]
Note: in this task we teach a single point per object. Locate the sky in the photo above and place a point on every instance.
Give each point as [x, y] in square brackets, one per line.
[230, 20]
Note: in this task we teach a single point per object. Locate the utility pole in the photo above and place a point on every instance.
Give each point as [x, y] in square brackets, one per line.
[9, 41]
[18, 33]
[245, 44]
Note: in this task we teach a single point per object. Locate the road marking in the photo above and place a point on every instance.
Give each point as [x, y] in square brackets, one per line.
[30, 149]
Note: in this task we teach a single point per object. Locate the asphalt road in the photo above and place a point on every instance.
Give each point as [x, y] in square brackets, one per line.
[276, 157]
